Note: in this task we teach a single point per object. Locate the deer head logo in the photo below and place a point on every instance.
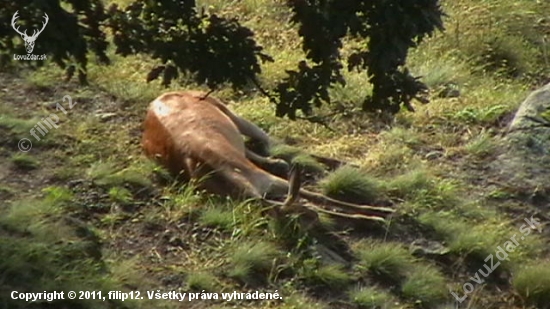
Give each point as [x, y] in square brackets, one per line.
[29, 40]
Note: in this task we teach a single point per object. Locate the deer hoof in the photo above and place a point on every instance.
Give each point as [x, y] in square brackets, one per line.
[280, 167]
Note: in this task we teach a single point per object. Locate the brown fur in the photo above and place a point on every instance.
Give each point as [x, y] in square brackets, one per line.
[194, 136]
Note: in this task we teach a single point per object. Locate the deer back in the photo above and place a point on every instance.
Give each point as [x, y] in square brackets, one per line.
[192, 137]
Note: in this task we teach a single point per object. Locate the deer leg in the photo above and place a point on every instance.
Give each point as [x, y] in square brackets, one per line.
[331, 163]
[273, 166]
[245, 127]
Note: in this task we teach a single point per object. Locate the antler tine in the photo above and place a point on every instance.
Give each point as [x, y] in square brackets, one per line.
[295, 183]
[345, 215]
[13, 20]
[294, 191]
[367, 208]
[349, 207]
[308, 216]
[44, 23]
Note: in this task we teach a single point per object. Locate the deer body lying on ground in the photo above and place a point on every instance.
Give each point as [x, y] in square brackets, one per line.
[196, 136]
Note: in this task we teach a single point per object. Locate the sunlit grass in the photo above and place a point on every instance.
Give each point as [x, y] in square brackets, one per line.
[217, 244]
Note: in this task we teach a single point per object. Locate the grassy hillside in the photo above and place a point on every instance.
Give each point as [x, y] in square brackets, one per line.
[84, 210]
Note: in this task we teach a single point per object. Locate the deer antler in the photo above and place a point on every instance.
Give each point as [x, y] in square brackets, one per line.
[13, 19]
[295, 182]
[44, 23]
[293, 190]
[310, 209]
[24, 34]
[308, 215]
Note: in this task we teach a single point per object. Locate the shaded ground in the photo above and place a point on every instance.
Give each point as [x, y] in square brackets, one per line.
[166, 244]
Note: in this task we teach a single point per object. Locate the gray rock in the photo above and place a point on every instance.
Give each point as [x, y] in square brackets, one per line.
[524, 160]
[106, 116]
[449, 90]
[434, 155]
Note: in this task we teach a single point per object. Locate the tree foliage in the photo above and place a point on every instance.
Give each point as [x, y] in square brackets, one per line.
[215, 50]
[389, 28]
[72, 32]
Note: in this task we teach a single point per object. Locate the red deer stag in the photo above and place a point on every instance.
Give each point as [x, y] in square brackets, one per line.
[194, 135]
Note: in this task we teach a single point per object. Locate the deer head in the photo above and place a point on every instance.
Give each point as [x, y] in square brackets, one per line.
[29, 40]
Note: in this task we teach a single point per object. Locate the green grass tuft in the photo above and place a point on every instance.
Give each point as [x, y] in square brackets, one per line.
[252, 258]
[476, 241]
[308, 163]
[202, 280]
[217, 217]
[6, 192]
[532, 283]
[178, 202]
[330, 276]
[388, 262]
[284, 151]
[350, 184]
[426, 285]
[13, 129]
[106, 174]
[58, 195]
[371, 297]
[120, 195]
[24, 162]
[298, 300]
[481, 146]
[401, 135]
[407, 185]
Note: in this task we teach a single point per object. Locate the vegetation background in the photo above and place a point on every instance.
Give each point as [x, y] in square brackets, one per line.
[84, 210]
